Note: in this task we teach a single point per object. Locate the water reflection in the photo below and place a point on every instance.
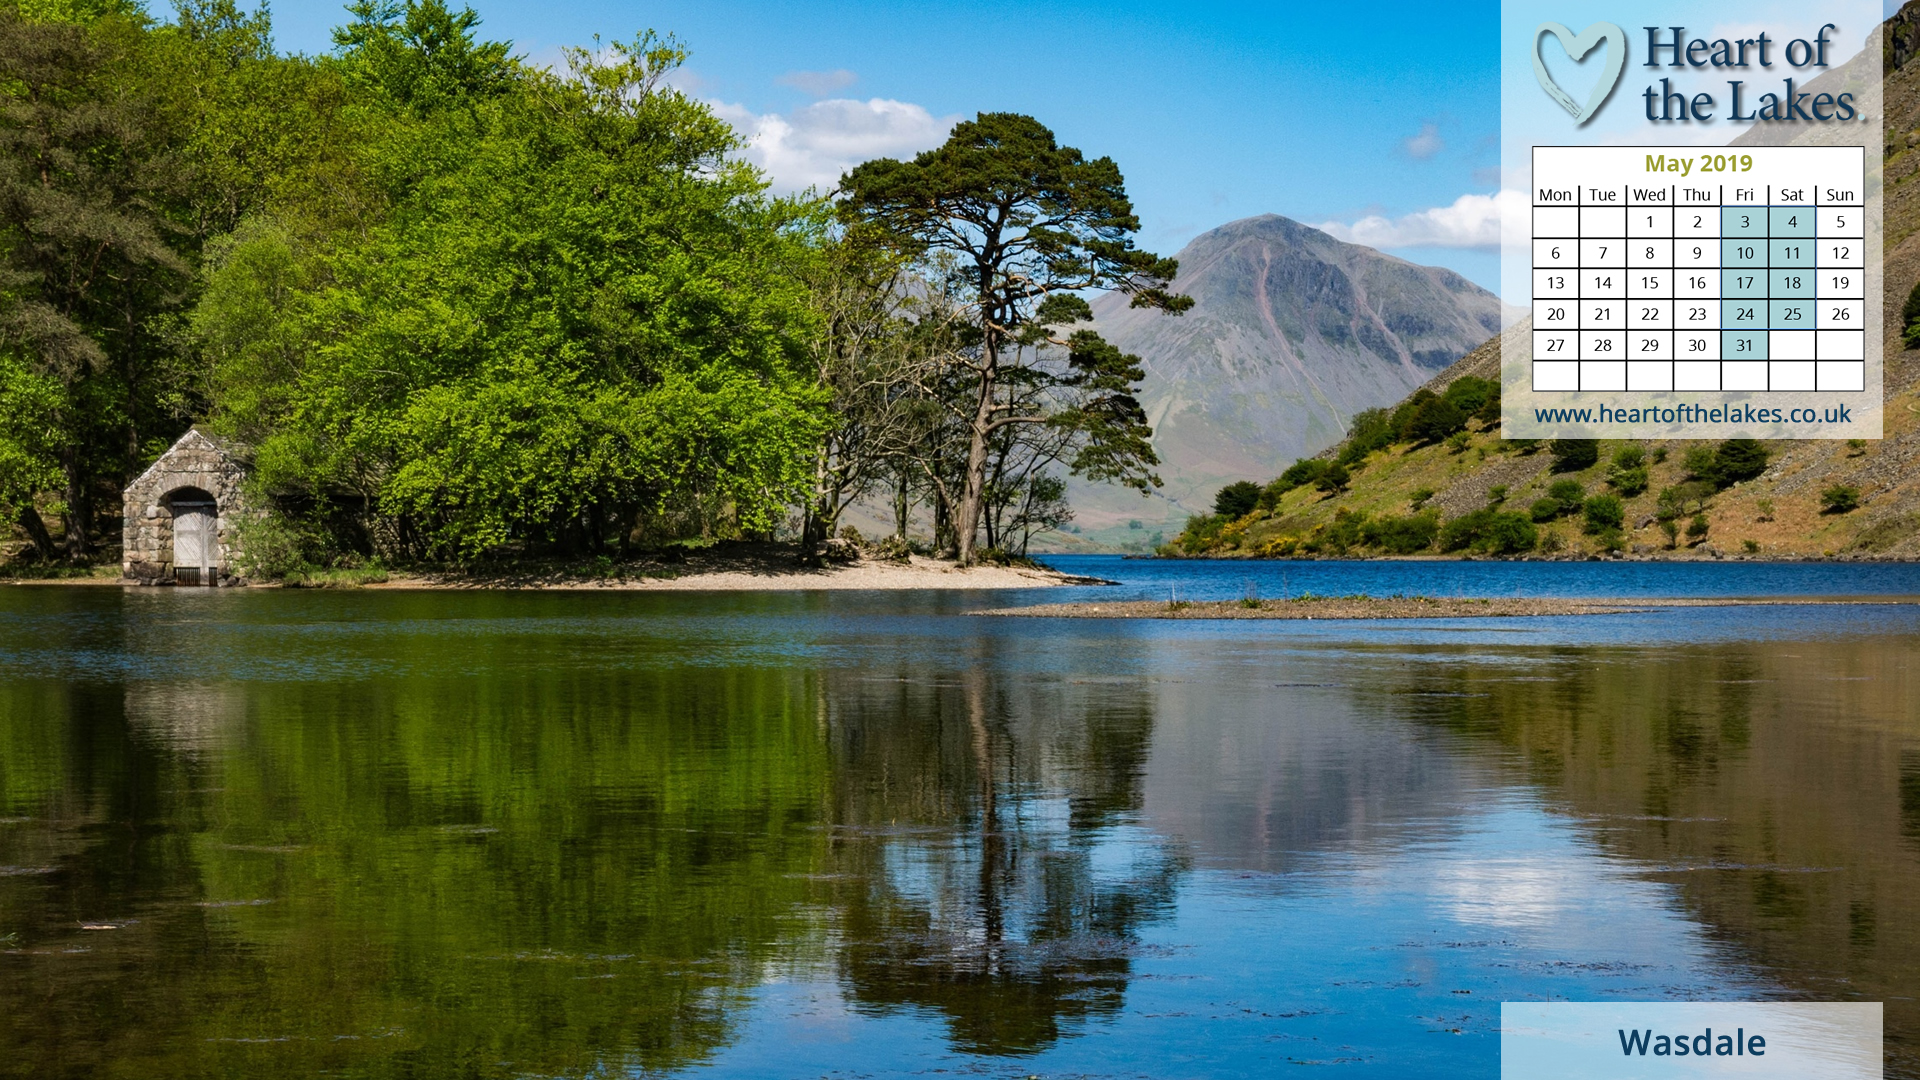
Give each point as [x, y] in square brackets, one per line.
[494, 835]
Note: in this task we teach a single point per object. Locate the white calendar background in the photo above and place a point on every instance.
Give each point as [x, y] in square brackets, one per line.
[1749, 277]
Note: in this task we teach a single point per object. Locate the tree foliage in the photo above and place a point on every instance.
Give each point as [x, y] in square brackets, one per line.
[1016, 227]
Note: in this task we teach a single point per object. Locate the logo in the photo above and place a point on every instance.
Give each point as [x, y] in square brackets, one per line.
[1578, 46]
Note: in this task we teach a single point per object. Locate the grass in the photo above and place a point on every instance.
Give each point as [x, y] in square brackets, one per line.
[334, 579]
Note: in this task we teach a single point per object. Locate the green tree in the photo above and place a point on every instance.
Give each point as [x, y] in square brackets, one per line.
[576, 322]
[1739, 460]
[1603, 513]
[90, 259]
[1572, 455]
[1237, 499]
[1022, 226]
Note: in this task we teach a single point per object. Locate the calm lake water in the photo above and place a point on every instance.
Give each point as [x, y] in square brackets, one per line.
[392, 834]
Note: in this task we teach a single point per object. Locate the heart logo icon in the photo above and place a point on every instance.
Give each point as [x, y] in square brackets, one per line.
[1578, 46]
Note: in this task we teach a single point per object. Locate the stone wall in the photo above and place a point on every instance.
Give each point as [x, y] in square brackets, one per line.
[195, 461]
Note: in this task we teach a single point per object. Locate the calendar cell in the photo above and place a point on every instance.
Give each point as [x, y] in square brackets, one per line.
[1603, 344]
[1556, 283]
[1744, 251]
[1790, 221]
[1696, 375]
[1603, 314]
[1843, 344]
[1840, 251]
[1790, 375]
[1649, 345]
[1688, 253]
[1603, 251]
[1790, 345]
[1793, 252]
[1603, 283]
[1649, 284]
[1840, 284]
[1743, 221]
[1649, 253]
[1840, 314]
[1743, 375]
[1550, 345]
[1644, 221]
[1650, 377]
[1555, 376]
[1692, 345]
[1850, 221]
[1649, 314]
[1603, 221]
[1790, 314]
[1696, 221]
[1696, 315]
[1603, 375]
[1556, 221]
[1555, 314]
[1840, 375]
[1743, 345]
[1564, 253]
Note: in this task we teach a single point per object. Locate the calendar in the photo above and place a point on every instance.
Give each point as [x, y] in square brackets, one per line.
[1693, 270]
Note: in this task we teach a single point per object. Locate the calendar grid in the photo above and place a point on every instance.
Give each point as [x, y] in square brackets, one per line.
[1667, 288]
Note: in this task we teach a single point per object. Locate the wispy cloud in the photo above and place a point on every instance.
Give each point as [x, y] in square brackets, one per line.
[1426, 144]
[1472, 221]
[819, 84]
[814, 145]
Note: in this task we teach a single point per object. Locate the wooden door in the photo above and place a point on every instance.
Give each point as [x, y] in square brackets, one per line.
[195, 543]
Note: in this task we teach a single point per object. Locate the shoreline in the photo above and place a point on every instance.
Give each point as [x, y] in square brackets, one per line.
[1420, 607]
[699, 572]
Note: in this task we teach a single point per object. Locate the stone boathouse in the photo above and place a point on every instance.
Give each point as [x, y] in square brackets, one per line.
[180, 515]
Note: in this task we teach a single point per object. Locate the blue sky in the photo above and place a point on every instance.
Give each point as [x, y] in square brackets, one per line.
[1337, 113]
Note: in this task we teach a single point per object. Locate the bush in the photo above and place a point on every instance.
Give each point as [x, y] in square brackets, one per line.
[1700, 462]
[1629, 482]
[1420, 497]
[1629, 472]
[1475, 397]
[1434, 420]
[1572, 455]
[1372, 429]
[1603, 513]
[1563, 498]
[1910, 319]
[1402, 535]
[1697, 528]
[1200, 534]
[1237, 499]
[1459, 441]
[1489, 531]
[1299, 474]
[1334, 479]
[1737, 461]
[1840, 499]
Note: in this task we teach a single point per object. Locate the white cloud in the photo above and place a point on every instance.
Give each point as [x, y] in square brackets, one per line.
[818, 83]
[1472, 221]
[814, 145]
[1424, 145]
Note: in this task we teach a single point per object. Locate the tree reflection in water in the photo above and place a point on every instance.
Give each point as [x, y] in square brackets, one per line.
[1001, 881]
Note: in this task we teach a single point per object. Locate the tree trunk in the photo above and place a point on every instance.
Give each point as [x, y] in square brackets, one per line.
[78, 512]
[973, 489]
[37, 534]
[900, 505]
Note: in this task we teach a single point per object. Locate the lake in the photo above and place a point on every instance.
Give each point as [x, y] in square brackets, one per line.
[375, 833]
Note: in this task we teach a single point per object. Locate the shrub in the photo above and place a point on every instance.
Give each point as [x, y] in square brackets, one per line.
[1737, 461]
[1604, 512]
[1765, 506]
[1237, 499]
[1659, 454]
[1630, 456]
[1420, 497]
[1458, 441]
[1200, 534]
[1496, 494]
[1572, 455]
[1629, 482]
[1672, 529]
[1489, 531]
[1299, 474]
[1334, 479]
[1839, 499]
[1372, 429]
[1402, 535]
[1475, 397]
[1545, 509]
[1697, 528]
[1435, 419]
[1910, 319]
[1699, 462]
[1750, 546]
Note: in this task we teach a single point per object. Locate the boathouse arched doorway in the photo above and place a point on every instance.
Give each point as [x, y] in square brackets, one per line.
[196, 537]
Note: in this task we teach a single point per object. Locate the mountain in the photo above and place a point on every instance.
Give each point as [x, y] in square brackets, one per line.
[1291, 333]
